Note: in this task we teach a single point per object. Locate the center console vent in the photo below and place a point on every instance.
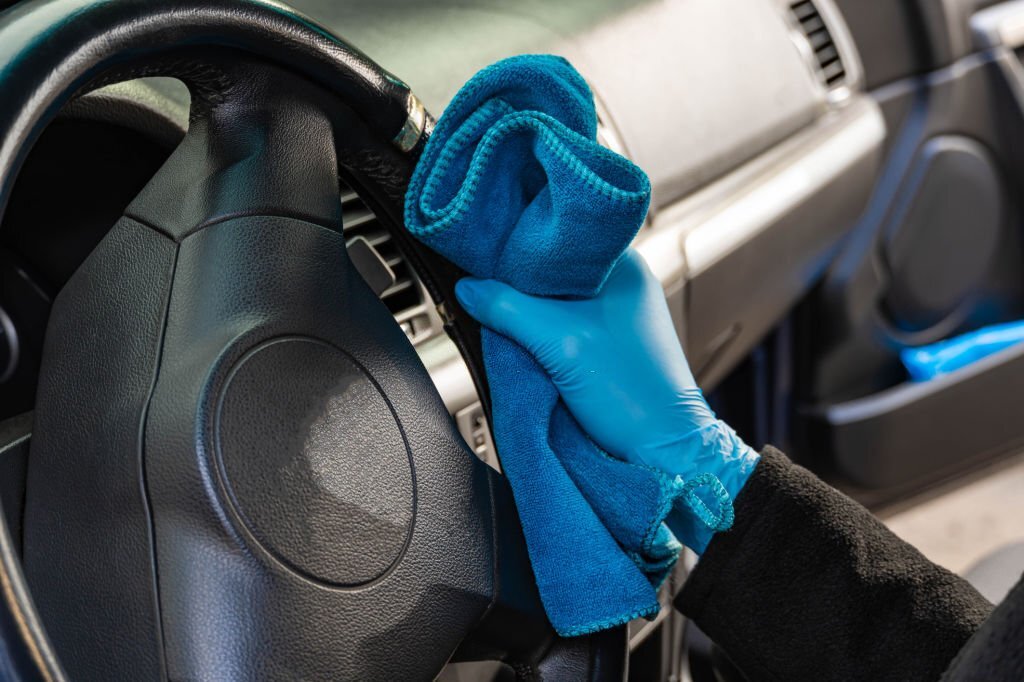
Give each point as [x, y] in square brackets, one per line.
[406, 298]
[829, 63]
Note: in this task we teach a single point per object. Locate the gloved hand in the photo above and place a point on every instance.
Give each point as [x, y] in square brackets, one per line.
[619, 367]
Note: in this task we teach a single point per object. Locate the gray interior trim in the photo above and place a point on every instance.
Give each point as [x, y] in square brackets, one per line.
[694, 234]
[1001, 25]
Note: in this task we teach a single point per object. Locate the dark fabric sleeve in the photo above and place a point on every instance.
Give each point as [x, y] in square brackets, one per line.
[996, 651]
[808, 585]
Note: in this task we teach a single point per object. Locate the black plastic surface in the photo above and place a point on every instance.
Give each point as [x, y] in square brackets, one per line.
[927, 430]
[74, 185]
[87, 532]
[323, 487]
[237, 283]
[940, 245]
[848, 346]
[403, 627]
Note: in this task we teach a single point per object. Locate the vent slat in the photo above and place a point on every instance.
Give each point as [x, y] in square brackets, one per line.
[357, 217]
[379, 239]
[833, 72]
[804, 9]
[827, 54]
[819, 39]
[830, 64]
[396, 288]
[812, 24]
[404, 299]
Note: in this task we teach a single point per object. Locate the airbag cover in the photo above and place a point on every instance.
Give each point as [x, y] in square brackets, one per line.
[315, 463]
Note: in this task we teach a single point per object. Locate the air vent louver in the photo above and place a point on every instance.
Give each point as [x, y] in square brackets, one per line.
[830, 64]
[405, 298]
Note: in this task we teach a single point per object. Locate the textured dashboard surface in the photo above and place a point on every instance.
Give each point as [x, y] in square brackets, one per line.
[681, 79]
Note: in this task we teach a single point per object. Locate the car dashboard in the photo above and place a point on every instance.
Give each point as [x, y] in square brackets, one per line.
[746, 114]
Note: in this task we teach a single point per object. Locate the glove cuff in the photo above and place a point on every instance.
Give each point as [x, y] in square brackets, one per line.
[714, 450]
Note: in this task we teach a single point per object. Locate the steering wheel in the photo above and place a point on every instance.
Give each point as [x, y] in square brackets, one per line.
[239, 467]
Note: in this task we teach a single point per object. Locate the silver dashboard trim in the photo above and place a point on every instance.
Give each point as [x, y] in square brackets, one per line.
[449, 372]
[1001, 25]
[415, 123]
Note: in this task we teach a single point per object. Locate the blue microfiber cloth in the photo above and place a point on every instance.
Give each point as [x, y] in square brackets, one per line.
[513, 186]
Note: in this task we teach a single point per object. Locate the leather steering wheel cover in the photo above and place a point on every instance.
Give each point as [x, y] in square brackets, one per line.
[76, 58]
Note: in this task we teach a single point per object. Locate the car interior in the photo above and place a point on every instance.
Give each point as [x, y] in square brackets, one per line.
[834, 181]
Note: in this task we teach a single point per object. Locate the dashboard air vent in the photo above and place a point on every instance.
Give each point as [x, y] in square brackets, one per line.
[405, 298]
[826, 54]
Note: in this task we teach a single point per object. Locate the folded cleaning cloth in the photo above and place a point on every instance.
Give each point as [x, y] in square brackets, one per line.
[513, 186]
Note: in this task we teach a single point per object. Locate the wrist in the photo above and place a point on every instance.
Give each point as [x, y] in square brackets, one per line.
[733, 466]
[713, 449]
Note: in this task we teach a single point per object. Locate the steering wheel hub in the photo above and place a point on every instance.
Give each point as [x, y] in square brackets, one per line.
[326, 489]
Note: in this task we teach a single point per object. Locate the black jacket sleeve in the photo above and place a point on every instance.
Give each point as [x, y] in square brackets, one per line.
[996, 651]
[808, 585]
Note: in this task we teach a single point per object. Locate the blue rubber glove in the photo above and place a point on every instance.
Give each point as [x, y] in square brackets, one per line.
[620, 369]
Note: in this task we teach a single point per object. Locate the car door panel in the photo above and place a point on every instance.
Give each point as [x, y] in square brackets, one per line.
[938, 252]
